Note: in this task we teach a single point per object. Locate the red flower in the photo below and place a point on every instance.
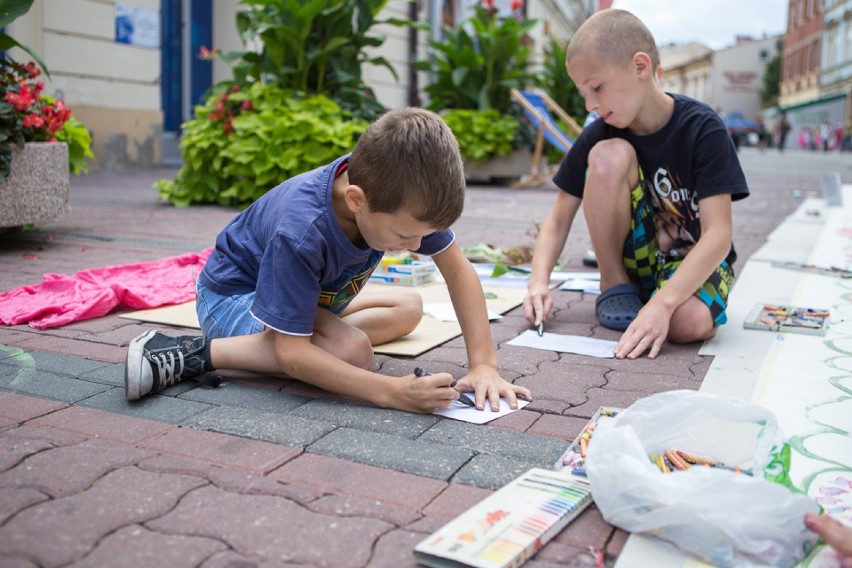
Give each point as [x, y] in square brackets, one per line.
[207, 54]
[516, 5]
[488, 3]
[33, 121]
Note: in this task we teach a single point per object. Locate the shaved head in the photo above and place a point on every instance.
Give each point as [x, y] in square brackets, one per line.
[613, 36]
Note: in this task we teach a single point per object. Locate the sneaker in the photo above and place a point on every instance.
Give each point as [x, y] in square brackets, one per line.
[156, 360]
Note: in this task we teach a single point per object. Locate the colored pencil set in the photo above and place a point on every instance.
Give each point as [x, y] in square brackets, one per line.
[787, 318]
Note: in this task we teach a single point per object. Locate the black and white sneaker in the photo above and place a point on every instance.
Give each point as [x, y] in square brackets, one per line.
[156, 360]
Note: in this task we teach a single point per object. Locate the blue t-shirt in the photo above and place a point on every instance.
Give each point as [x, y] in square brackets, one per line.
[290, 249]
[690, 158]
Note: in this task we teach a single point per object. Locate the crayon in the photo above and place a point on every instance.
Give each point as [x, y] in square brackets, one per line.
[696, 460]
[578, 471]
[541, 329]
[676, 460]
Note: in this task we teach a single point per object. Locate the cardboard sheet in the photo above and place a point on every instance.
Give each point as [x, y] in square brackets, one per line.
[429, 334]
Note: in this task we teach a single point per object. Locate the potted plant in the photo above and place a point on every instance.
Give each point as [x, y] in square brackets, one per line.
[474, 69]
[39, 139]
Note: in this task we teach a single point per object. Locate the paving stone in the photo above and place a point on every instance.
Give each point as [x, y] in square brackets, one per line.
[13, 450]
[55, 438]
[55, 386]
[365, 417]
[557, 426]
[616, 542]
[420, 457]
[231, 559]
[98, 423]
[559, 554]
[649, 382]
[92, 459]
[235, 394]
[15, 500]
[348, 478]
[22, 408]
[495, 441]
[222, 449]
[348, 506]
[234, 481]
[75, 523]
[564, 382]
[74, 348]
[10, 352]
[52, 363]
[489, 471]
[157, 407]
[111, 374]
[136, 546]
[427, 525]
[271, 529]
[520, 421]
[274, 427]
[396, 550]
[604, 397]
[455, 500]
[588, 529]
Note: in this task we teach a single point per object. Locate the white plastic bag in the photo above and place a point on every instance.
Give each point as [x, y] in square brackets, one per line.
[726, 518]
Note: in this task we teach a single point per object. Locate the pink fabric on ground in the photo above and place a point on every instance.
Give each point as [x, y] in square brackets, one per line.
[95, 292]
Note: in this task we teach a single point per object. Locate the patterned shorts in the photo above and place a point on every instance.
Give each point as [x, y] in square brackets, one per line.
[647, 266]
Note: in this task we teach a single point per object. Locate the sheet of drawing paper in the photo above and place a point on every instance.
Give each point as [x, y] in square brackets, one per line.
[566, 344]
[459, 411]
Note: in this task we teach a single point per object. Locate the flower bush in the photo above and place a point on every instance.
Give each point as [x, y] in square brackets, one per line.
[244, 141]
[26, 115]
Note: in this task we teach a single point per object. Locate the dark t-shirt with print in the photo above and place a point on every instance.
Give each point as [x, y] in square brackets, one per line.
[689, 159]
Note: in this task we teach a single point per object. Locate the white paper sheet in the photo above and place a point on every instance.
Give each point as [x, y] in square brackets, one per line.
[566, 344]
[459, 411]
[585, 285]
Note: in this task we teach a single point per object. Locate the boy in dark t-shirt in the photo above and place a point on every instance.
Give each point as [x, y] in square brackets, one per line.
[656, 175]
[279, 295]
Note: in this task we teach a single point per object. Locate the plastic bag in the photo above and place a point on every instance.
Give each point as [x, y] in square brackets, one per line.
[726, 518]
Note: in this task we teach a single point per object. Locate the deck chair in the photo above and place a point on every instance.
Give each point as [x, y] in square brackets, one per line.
[537, 107]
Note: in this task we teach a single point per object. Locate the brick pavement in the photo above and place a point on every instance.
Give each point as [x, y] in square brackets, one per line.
[277, 473]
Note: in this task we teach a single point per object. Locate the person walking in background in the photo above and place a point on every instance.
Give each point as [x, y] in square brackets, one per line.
[656, 175]
[783, 131]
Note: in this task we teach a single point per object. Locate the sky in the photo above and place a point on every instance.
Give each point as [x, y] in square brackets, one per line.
[715, 23]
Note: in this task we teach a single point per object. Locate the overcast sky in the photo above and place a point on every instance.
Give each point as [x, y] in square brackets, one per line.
[715, 23]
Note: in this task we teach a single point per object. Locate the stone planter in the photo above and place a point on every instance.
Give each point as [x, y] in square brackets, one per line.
[37, 188]
[504, 168]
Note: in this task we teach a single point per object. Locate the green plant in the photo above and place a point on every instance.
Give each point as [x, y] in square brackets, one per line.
[26, 115]
[313, 46]
[554, 80]
[481, 134]
[477, 69]
[243, 142]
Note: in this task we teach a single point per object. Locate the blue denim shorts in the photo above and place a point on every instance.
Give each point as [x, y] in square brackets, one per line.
[225, 316]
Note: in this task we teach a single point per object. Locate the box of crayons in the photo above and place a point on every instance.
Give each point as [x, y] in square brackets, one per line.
[510, 525]
[774, 317]
[574, 458]
[404, 271]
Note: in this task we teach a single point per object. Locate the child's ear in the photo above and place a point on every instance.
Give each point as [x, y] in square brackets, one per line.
[355, 198]
[642, 64]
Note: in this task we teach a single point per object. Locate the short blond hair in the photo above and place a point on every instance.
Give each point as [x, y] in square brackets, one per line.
[613, 36]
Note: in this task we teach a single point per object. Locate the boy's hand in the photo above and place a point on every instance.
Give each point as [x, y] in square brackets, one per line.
[537, 303]
[834, 533]
[646, 333]
[487, 383]
[423, 394]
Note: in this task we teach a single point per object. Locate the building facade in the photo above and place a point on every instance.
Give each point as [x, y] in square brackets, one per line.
[729, 80]
[130, 69]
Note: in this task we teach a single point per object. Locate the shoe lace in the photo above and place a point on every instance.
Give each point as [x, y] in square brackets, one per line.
[169, 366]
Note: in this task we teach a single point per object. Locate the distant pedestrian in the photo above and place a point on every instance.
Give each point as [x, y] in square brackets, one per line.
[783, 131]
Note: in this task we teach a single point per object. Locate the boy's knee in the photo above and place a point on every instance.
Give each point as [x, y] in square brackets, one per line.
[356, 349]
[691, 322]
[409, 311]
[612, 158]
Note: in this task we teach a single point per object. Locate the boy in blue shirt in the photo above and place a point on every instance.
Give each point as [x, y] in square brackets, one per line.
[657, 173]
[279, 295]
